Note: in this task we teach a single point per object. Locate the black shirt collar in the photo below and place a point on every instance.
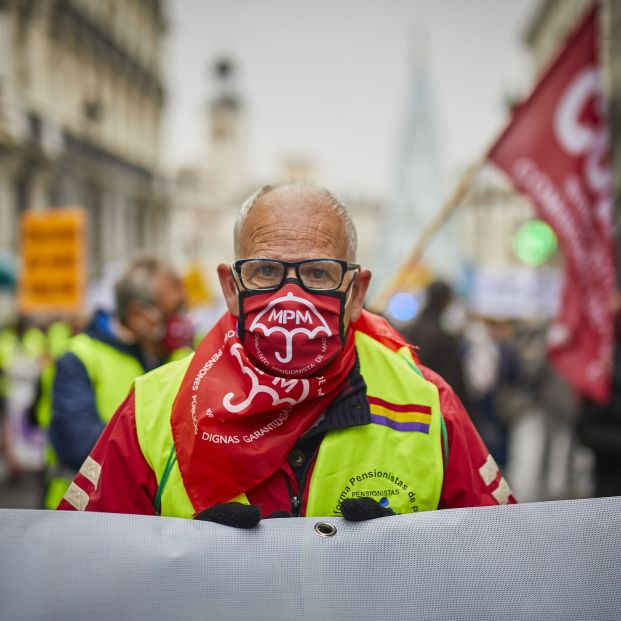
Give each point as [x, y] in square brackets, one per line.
[350, 408]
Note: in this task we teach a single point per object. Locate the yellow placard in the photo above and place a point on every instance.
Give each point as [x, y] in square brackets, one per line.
[197, 286]
[53, 261]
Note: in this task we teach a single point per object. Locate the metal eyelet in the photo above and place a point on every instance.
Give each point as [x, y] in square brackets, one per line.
[325, 529]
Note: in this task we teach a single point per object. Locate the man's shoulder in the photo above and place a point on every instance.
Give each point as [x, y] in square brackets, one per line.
[434, 378]
[155, 391]
[89, 344]
[77, 354]
[449, 401]
[100, 339]
[169, 371]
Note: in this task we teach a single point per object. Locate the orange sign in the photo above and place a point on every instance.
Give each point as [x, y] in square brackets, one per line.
[53, 270]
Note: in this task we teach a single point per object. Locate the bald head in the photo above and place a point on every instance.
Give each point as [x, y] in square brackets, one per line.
[294, 219]
[294, 222]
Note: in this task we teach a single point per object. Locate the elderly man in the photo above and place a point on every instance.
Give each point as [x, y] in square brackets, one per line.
[93, 378]
[298, 402]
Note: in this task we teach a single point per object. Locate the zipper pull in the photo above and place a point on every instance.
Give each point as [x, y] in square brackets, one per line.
[295, 505]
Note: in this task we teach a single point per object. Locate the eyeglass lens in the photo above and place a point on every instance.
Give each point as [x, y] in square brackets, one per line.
[320, 274]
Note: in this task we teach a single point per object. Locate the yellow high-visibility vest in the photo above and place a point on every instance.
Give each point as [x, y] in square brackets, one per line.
[396, 459]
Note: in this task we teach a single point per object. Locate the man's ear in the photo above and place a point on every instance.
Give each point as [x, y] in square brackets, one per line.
[229, 290]
[359, 292]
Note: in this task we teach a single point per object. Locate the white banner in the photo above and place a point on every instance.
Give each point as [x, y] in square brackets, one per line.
[555, 560]
[515, 292]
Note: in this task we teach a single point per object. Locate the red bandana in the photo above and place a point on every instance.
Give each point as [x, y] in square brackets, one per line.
[233, 424]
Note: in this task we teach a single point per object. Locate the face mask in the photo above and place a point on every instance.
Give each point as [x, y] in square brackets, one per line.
[178, 333]
[292, 332]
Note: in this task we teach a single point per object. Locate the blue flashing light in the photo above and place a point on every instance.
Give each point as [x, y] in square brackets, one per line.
[403, 306]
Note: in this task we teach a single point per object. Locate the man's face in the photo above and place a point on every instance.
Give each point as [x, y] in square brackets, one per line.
[148, 321]
[291, 224]
[169, 294]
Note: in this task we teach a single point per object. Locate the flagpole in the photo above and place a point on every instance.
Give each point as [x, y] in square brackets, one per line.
[462, 187]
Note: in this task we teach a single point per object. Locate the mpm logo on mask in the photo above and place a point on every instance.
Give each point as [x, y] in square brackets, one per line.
[283, 316]
[291, 331]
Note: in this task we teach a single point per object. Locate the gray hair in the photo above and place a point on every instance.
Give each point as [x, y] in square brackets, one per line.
[339, 208]
[136, 283]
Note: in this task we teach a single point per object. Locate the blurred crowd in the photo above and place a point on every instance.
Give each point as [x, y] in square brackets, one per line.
[55, 400]
[552, 443]
[62, 379]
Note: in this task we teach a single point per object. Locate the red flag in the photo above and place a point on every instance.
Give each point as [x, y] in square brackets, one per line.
[555, 150]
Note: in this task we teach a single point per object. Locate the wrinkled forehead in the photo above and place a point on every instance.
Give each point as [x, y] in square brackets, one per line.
[293, 224]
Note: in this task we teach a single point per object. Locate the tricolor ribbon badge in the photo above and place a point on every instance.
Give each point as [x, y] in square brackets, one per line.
[402, 417]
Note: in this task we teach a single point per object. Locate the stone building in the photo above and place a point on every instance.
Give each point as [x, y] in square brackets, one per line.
[207, 195]
[81, 99]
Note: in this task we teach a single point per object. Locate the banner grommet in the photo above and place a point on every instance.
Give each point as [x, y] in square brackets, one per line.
[325, 529]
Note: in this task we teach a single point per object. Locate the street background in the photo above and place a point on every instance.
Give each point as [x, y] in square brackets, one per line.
[146, 124]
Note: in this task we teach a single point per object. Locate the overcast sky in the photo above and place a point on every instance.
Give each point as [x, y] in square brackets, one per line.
[329, 79]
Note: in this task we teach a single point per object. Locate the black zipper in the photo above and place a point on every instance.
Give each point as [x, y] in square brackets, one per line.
[295, 506]
[295, 500]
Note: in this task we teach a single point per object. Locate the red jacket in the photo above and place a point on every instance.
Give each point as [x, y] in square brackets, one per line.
[125, 482]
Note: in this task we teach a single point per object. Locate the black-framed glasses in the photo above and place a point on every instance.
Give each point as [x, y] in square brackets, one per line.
[313, 274]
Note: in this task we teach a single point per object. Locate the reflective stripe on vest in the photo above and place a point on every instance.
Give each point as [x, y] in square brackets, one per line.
[399, 454]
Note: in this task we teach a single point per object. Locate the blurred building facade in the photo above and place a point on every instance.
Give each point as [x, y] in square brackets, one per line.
[550, 24]
[207, 195]
[416, 193]
[81, 100]
[496, 279]
[489, 219]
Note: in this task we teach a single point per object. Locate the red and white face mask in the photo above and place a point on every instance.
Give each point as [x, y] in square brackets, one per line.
[290, 331]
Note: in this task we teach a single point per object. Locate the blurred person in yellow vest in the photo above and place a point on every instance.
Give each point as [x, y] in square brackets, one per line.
[58, 335]
[95, 374]
[8, 343]
[22, 351]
